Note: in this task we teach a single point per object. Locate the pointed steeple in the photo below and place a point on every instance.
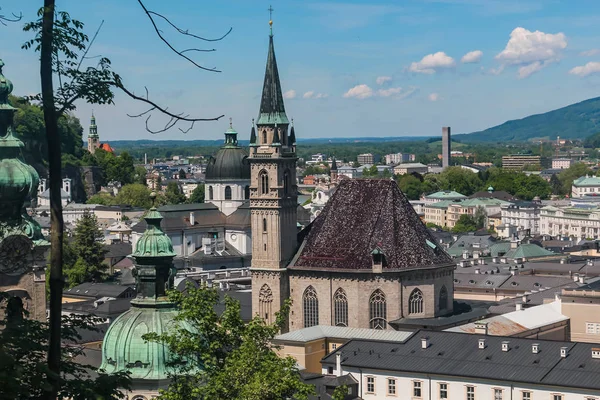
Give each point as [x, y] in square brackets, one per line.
[253, 134]
[276, 131]
[292, 134]
[272, 109]
[93, 126]
[333, 164]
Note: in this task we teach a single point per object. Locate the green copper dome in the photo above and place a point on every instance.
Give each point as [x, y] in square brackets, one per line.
[230, 162]
[154, 242]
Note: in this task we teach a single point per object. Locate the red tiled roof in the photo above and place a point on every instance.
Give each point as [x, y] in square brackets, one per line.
[364, 214]
[106, 147]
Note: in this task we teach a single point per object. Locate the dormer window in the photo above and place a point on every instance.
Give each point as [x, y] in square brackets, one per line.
[378, 259]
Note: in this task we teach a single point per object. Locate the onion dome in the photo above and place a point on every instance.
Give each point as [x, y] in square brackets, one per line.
[154, 242]
[230, 162]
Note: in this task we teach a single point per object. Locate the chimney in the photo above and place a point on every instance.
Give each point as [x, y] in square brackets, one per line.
[563, 260]
[563, 352]
[481, 328]
[519, 306]
[478, 270]
[495, 260]
[505, 345]
[481, 344]
[581, 278]
[575, 277]
[192, 218]
[595, 352]
[424, 342]
[524, 299]
[535, 348]
[556, 296]
[145, 159]
[338, 363]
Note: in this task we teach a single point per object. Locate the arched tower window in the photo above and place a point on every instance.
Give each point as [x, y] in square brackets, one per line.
[265, 303]
[443, 301]
[264, 225]
[264, 137]
[310, 304]
[286, 182]
[340, 302]
[377, 310]
[227, 192]
[247, 192]
[264, 181]
[415, 302]
[210, 192]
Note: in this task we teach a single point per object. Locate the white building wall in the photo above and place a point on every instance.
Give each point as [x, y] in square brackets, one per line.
[218, 199]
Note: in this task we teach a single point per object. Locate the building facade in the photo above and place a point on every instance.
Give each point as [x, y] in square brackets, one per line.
[398, 158]
[585, 185]
[523, 216]
[562, 163]
[409, 168]
[520, 161]
[580, 223]
[366, 158]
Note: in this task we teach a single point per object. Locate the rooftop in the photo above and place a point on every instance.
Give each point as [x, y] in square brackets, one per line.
[341, 332]
[446, 194]
[587, 181]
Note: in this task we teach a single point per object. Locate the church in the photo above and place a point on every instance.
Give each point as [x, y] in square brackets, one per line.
[366, 261]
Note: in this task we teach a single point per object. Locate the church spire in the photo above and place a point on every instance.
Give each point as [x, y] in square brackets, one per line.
[272, 109]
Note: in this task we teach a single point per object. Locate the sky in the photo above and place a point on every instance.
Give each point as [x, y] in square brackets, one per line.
[348, 68]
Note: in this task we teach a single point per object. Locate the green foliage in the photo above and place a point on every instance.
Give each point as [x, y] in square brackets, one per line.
[480, 217]
[23, 368]
[238, 359]
[135, 195]
[574, 121]
[517, 183]
[197, 195]
[465, 223]
[103, 198]
[314, 170]
[139, 175]
[371, 172]
[567, 176]
[592, 141]
[89, 250]
[117, 168]
[340, 393]
[411, 186]
[173, 194]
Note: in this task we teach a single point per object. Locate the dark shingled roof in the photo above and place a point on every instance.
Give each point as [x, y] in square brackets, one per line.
[229, 163]
[272, 97]
[362, 215]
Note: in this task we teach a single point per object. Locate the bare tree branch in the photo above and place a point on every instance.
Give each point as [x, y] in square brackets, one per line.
[15, 18]
[179, 53]
[186, 32]
[89, 46]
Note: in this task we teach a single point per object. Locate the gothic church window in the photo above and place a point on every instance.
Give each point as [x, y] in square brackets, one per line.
[310, 304]
[264, 181]
[264, 225]
[247, 192]
[210, 192]
[415, 302]
[265, 302]
[286, 182]
[264, 137]
[340, 301]
[443, 298]
[377, 310]
[227, 192]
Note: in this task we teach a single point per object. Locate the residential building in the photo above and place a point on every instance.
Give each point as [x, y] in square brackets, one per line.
[409, 168]
[308, 180]
[317, 158]
[398, 158]
[470, 206]
[523, 216]
[446, 146]
[519, 161]
[447, 365]
[582, 306]
[585, 185]
[436, 213]
[366, 158]
[443, 195]
[349, 171]
[188, 186]
[562, 163]
[569, 221]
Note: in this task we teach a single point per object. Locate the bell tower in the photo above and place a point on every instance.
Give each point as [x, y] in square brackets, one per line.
[273, 195]
[93, 138]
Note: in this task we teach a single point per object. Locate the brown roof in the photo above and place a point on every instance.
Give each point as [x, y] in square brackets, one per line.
[362, 215]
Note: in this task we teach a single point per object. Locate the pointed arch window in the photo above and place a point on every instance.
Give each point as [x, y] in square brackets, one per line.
[263, 178]
[415, 302]
[286, 182]
[310, 305]
[210, 192]
[377, 310]
[227, 192]
[247, 192]
[264, 137]
[443, 300]
[265, 303]
[340, 303]
[264, 225]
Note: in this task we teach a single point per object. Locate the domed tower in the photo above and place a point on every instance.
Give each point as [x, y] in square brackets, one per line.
[21, 242]
[93, 138]
[228, 175]
[333, 171]
[123, 348]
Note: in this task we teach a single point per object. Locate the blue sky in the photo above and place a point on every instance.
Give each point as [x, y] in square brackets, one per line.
[349, 69]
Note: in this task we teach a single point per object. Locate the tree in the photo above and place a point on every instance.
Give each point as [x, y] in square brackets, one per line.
[410, 186]
[135, 195]
[371, 172]
[197, 195]
[89, 249]
[340, 393]
[480, 217]
[228, 349]
[173, 194]
[555, 185]
[460, 180]
[568, 175]
[23, 348]
[103, 198]
[139, 175]
[386, 174]
[465, 223]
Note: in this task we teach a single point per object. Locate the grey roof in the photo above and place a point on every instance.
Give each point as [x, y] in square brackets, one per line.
[523, 283]
[109, 308]
[458, 354]
[46, 194]
[97, 290]
[230, 163]
[480, 281]
[117, 250]
[340, 332]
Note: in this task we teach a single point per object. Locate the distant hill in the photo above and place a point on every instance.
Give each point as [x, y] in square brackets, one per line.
[576, 121]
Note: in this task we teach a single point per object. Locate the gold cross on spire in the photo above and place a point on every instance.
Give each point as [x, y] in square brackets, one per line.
[271, 18]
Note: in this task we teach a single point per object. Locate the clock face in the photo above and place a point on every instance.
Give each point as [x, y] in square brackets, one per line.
[16, 254]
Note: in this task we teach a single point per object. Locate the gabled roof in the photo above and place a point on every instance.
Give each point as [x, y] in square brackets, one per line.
[586, 181]
[97, 290]
[364, 214]
[106, 147]
[528, 250]
[446, 195]
[341, 332]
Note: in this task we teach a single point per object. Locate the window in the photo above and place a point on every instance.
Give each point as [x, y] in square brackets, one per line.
[391, 386]
[286, 182]
[210, 192]
[264, 181]
[557, 397]
[264, 225]
[227, 192]
[264, 137]
[526, 396]
[497, 394]
[470, 393]
[443, 390]
[333, 346]
[443, 301]
[340, 308]
[310, 303]
[370, 384]
[415, 302]
[417, 388]
[247, 192]
[330, 370]
[265, 301]
[377, 310]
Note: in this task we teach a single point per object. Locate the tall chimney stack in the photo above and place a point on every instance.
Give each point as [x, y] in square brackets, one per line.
[446, 146]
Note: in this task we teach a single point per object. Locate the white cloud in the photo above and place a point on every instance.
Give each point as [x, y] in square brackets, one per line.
[472, 57]
[360, 92]
[434, 97]
[532, 51]
[590, 53]
[383, 79]
[432, 62]
[389, 92]
[290, 94]
[312, 95]
[587, 69]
